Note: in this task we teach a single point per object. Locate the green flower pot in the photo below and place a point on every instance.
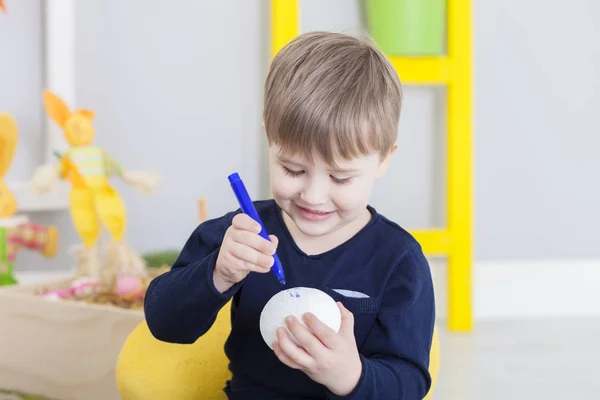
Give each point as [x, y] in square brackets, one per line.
[408, 27]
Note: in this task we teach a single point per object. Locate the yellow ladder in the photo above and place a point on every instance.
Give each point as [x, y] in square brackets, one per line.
[454, 71]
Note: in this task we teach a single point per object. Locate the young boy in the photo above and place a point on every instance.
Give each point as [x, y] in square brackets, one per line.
[332, 105]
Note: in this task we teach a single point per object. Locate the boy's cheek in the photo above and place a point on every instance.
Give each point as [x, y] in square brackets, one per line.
[283, 189]
[353, 197]
[351, 208]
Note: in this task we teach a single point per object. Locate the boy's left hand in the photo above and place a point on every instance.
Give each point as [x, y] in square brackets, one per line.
[327, 357]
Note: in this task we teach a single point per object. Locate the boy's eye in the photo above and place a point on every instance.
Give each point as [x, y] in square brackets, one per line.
[340, 181]
[291, 172]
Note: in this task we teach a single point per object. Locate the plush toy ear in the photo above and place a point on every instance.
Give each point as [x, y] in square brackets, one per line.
[89, 114]
[56, 108]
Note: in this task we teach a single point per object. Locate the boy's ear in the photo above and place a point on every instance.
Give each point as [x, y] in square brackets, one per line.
[383, 166]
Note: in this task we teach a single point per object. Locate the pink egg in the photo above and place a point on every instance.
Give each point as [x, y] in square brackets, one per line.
[127, 285]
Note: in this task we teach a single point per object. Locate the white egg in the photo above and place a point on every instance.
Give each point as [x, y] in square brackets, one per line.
[297, 301]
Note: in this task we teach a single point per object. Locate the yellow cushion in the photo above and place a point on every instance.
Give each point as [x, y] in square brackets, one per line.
[434, 363]
[148, 369]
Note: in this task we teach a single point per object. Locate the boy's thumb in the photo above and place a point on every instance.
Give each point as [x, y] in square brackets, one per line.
[347, 326]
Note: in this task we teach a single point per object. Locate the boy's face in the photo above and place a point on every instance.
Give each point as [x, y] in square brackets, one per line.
[321, 199]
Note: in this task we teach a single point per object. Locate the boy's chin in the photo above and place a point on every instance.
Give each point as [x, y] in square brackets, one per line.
[311, 228]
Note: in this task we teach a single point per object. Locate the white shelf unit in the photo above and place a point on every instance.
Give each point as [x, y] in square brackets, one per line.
[59, 76]
[30, 201]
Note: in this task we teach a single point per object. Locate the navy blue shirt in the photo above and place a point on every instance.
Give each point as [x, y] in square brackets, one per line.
[380, 275]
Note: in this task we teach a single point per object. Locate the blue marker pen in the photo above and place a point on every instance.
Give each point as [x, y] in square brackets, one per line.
[248, 208]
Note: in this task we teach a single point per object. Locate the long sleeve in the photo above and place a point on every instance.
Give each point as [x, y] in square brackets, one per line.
[182, 304]
[395, 355]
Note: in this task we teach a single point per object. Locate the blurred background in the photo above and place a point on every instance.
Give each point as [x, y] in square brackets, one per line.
[177, 88]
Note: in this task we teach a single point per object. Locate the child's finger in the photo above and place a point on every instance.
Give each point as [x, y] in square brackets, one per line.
[292, 351]
[245, 222]
[275, 240]
[246, 266]
[325, 334]
[347, 326]
[254, 241]
[305, 337]
[248, 254]
[283, 358]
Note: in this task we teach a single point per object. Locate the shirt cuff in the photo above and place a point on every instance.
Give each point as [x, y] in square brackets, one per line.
[228, 294]
[358, 389]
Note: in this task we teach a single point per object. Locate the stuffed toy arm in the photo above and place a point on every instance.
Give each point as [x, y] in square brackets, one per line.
[144, 181]
[45, 178]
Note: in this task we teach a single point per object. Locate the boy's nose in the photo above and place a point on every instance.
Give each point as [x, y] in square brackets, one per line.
[315, 193]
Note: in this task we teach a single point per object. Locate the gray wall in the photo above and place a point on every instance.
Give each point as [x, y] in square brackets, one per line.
[186, 81]
[537, 142]
[178, 91]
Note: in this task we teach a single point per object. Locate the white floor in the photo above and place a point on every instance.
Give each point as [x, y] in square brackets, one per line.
[512, 360]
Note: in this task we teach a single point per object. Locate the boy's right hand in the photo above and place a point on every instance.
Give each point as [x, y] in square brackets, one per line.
[243, 250]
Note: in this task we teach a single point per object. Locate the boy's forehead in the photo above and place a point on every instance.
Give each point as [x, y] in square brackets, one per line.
[315, 159]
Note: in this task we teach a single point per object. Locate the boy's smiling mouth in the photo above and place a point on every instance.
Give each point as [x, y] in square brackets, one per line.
[314, 215]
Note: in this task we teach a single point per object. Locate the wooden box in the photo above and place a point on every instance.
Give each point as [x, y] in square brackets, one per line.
[63, 350]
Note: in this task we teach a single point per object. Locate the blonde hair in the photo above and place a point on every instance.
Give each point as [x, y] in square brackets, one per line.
[332, 94]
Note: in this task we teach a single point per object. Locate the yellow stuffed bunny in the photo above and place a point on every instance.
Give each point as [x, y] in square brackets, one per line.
[15, 230]
[93, 201]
